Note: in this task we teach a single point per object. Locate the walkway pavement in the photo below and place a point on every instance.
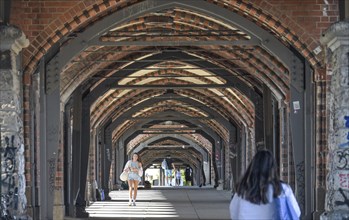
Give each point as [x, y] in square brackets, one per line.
[165, 203]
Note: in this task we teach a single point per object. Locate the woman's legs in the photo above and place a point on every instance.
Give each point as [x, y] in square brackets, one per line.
[130, 191]
[135, 184]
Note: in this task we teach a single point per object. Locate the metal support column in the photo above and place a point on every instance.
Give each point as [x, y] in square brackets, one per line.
[309, 143]
[50, 135]
[268, 119]
[300, 133]
[106, 161]
[85, 149]
[75, 160]
[68, 166]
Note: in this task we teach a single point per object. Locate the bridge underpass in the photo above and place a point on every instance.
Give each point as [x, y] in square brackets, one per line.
[207, 83]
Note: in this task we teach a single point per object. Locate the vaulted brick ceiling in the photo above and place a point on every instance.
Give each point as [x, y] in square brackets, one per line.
[253, 65]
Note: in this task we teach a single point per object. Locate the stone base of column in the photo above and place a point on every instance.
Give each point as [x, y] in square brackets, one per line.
[58, 212]
[335, 215]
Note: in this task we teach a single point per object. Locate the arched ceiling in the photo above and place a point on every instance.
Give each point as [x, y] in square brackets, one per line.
[174, 60]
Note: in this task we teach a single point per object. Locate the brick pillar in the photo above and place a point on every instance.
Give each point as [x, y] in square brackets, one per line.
[336, 42]
[12, 40]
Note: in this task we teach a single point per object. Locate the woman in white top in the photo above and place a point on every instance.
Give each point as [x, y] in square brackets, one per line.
[260, 185]
[135, 170]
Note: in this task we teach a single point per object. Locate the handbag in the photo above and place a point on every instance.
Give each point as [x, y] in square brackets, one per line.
[284, 209]
[124, 176]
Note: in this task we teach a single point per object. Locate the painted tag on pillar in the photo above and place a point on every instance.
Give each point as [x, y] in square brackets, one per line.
[341, 159]
[341, 180]
[346, 143]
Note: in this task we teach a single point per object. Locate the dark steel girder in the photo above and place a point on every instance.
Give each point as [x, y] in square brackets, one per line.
[167, 118]
[157, 142]
[151, 102]
[232, 79]
[97, 42]
[199, 149]
[169, 129]
[173, 86]
[157, 156]
[91, 35]
[133, 131]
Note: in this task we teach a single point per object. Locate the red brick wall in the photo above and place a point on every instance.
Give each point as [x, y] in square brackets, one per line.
[41, 19]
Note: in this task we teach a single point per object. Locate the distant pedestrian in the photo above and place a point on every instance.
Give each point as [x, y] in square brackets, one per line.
[188, 176]
[178, 177]
[134, 167]
[163, 170]
[168, 171]
[258, 189]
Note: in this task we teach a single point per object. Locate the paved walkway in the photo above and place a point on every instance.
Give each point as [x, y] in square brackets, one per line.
[161, 203]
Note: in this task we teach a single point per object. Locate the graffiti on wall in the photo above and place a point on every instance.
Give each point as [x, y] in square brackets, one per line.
[342, 160]
[9, 191]
[345, 202]
[340, 194]
[346, 144]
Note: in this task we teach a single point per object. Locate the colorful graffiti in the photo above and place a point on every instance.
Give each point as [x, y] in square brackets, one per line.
[9, 191]
[340, 193]
[344, 180]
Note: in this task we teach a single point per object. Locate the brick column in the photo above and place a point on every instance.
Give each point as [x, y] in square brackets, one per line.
[12, 40]
[336, 42]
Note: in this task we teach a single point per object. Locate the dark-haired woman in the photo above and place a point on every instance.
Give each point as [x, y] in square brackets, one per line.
[135, 170]
[258, 188]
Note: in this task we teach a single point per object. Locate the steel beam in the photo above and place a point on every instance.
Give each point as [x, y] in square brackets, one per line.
[172, 86]
[150, 102]
[143, 61]
[68, 166]
[170, 129]
[50, 132]
[167, 118]
[182, 138]
[309, 145]
[106, 161]
[85, 147]
[97, 42]
[75, 159]
[164, 50]
[297, 122]
[268, 119]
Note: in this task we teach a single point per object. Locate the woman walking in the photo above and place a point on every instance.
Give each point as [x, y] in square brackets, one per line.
[259, 187]
[135, 171]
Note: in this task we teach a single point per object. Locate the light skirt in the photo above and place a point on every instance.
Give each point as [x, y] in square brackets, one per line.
[134, 176]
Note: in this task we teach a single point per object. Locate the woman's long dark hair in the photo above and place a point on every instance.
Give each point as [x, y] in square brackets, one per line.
[139, 157]
[260, 174]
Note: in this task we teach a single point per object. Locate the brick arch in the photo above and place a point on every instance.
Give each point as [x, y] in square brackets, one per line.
[72, 20]
[106, 111]
[213, 124]
[261, 12]
[268, 16]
